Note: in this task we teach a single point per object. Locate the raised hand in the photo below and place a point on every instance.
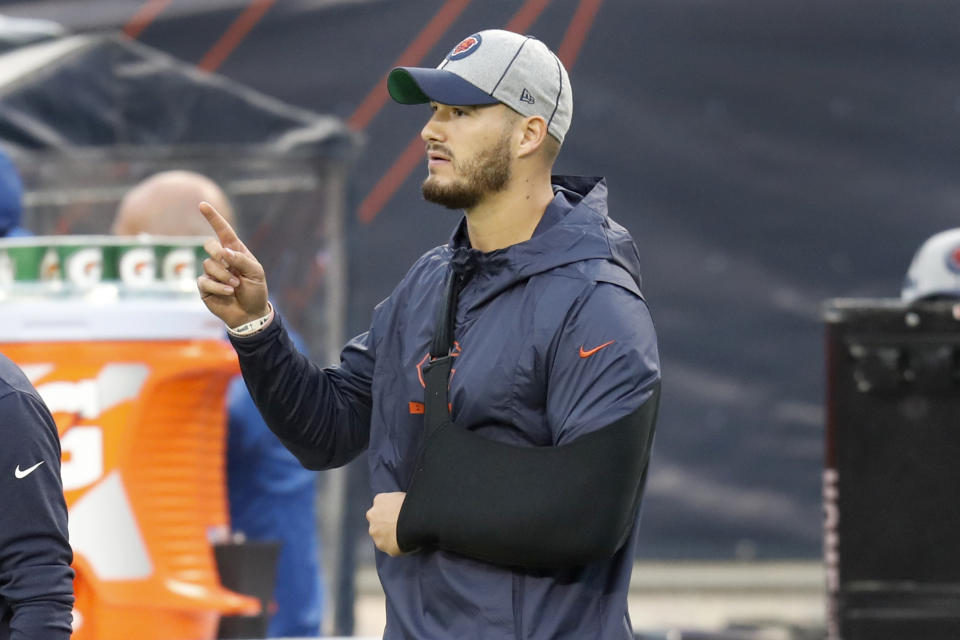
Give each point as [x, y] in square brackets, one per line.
[233, 285]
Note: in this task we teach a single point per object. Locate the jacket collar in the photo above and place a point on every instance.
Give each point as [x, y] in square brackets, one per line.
[584, 233]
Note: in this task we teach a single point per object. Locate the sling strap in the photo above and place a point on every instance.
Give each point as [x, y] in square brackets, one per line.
[436, 373]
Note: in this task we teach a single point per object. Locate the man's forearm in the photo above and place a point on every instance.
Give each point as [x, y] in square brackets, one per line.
[319, 423]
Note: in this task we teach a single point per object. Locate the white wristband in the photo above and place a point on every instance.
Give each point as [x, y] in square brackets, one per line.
[253, 326]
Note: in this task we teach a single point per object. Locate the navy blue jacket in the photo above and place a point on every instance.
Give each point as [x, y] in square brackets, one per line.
[36, 581]
[554, 341]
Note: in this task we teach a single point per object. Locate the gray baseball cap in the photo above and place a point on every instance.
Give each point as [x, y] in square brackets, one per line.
[489, 67]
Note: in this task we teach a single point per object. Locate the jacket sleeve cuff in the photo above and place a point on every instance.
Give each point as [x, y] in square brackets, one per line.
[248, 345]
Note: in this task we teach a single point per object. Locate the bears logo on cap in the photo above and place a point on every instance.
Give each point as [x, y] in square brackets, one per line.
[953, 259]
[467, 46]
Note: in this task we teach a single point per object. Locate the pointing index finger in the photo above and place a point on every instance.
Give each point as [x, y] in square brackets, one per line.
[225, 233]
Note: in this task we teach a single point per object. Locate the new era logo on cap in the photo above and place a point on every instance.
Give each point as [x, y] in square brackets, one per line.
[494, 66]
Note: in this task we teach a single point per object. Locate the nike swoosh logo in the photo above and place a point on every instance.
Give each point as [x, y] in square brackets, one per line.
[23, 474]
[587, 354]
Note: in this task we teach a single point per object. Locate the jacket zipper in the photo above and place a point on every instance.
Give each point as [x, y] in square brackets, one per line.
[518, 580]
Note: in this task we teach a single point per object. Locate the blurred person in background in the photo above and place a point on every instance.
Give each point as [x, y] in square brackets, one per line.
[272, 496]
[507, 388]
[934, 272]
[36, 581]
[11, 199]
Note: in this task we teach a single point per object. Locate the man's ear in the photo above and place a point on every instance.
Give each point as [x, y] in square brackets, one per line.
[533, 132]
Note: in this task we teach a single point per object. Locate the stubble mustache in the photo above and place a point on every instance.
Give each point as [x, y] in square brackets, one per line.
[439, 148]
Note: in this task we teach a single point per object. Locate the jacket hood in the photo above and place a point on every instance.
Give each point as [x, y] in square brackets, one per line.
[11, 197]
[585, 233]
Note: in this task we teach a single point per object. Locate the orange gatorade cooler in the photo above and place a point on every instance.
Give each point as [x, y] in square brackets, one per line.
[135, 378]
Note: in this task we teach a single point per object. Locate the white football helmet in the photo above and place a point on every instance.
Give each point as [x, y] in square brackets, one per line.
[935, 270]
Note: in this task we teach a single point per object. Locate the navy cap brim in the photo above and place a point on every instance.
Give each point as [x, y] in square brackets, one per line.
[416, 85]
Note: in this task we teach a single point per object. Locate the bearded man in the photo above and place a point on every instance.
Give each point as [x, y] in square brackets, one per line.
[506, 390]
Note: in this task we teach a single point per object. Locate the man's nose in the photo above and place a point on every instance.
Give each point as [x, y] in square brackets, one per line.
[432, 131]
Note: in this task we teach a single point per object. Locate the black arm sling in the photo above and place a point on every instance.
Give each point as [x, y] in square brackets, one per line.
[529, 507]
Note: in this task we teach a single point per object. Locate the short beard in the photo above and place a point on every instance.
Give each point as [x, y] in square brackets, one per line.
[487, 172]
